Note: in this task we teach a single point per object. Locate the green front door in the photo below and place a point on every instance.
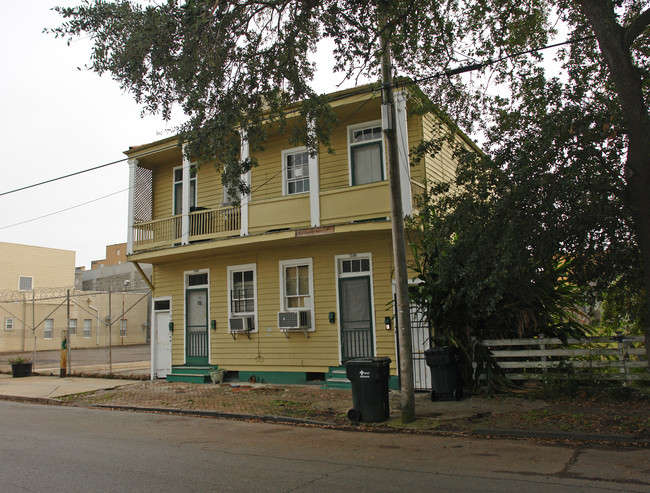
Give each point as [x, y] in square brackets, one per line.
[196, 324]
[356, 317]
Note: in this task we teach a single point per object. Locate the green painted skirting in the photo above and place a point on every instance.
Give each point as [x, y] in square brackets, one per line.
[273, 377]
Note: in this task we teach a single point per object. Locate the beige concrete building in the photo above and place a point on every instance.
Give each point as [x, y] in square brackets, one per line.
[37, 293]
[37, 323]
[27, 267]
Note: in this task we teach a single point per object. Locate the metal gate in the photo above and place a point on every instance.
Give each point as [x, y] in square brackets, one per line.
[420, 341]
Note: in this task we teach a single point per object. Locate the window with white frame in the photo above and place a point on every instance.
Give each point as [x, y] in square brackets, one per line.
[178, 188]
[297, 287]
[296, 171]
[353, 265]
[88, 326]
[9, 323]
[25, 283]
[123, 327]
[72, 326]
[366, 153]
[242, 292]
[48, 328]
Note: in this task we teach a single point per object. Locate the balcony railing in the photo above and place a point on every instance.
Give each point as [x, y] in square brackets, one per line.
[204, 225]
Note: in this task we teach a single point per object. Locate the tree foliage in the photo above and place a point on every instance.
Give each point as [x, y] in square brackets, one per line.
[585, 132]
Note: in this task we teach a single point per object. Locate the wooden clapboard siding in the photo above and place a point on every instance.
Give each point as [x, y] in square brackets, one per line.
[269, 349]
[334, 168]
[163, 190]
[414, 129]
[208, 183]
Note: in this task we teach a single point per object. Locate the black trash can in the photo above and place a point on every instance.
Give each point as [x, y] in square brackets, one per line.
[446, 384]
[369, 377]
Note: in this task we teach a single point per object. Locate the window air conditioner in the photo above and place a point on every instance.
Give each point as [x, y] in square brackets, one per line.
[242, 324]
[298, 320]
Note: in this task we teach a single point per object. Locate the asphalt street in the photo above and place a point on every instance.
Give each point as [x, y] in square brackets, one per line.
[58, 448]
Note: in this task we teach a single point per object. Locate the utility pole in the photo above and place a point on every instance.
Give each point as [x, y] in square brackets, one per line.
[110, 330]
[397, 225]
[69, 338]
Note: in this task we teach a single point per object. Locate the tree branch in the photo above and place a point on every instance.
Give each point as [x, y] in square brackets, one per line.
[637, 27]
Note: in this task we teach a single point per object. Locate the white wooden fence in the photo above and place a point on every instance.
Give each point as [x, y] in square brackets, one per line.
[592, 358]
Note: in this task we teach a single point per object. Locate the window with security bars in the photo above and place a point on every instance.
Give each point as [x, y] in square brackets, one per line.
[367, 164]
[88, 325]
[25, 283]
[9, 324]
[297, 172]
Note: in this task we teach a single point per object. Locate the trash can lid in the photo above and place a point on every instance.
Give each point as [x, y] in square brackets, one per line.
[370, 360]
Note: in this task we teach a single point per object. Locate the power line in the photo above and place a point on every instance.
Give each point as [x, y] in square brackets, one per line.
[63, 210]
[82, 171]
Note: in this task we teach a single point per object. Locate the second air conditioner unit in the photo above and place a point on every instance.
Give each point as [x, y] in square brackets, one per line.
[294, 320]
[241, 324]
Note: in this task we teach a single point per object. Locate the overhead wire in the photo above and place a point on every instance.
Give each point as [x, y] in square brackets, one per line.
[345, 94]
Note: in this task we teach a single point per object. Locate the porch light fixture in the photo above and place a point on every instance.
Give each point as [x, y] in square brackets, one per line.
[387, 322]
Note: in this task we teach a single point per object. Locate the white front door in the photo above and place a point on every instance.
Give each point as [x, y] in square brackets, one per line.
[162, 357]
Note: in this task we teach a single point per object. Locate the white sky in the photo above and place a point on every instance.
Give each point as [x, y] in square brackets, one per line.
[57, 120]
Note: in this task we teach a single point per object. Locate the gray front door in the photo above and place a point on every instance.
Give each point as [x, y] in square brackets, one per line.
[356, 317]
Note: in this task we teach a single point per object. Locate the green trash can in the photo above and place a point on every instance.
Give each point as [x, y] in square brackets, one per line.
[369, 378]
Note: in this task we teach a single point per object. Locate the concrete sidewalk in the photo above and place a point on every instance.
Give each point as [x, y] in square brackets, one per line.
[46, 387]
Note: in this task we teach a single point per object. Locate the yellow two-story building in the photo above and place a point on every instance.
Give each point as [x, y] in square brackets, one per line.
[297, 278]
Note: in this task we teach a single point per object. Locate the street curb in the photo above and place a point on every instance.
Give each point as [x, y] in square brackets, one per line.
[34, 400]
[558, 435]
[210, 414]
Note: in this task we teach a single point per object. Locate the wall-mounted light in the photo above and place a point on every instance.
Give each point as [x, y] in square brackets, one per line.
[171, 326]
[332, 317]
[387, 322]
[213, 324]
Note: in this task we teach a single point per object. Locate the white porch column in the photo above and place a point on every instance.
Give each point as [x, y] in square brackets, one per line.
[133, 164]
[403, 152]
[244, 153]
[185, 203]
[314, 185]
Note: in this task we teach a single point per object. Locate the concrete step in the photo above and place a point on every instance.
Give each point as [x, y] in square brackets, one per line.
[188, 378]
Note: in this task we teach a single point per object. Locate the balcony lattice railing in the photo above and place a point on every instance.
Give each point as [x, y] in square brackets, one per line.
[204, 225]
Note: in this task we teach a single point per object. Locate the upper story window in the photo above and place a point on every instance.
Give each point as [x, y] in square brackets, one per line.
[295, 163]
[366, 153]
[178, 188]
[25, 283]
